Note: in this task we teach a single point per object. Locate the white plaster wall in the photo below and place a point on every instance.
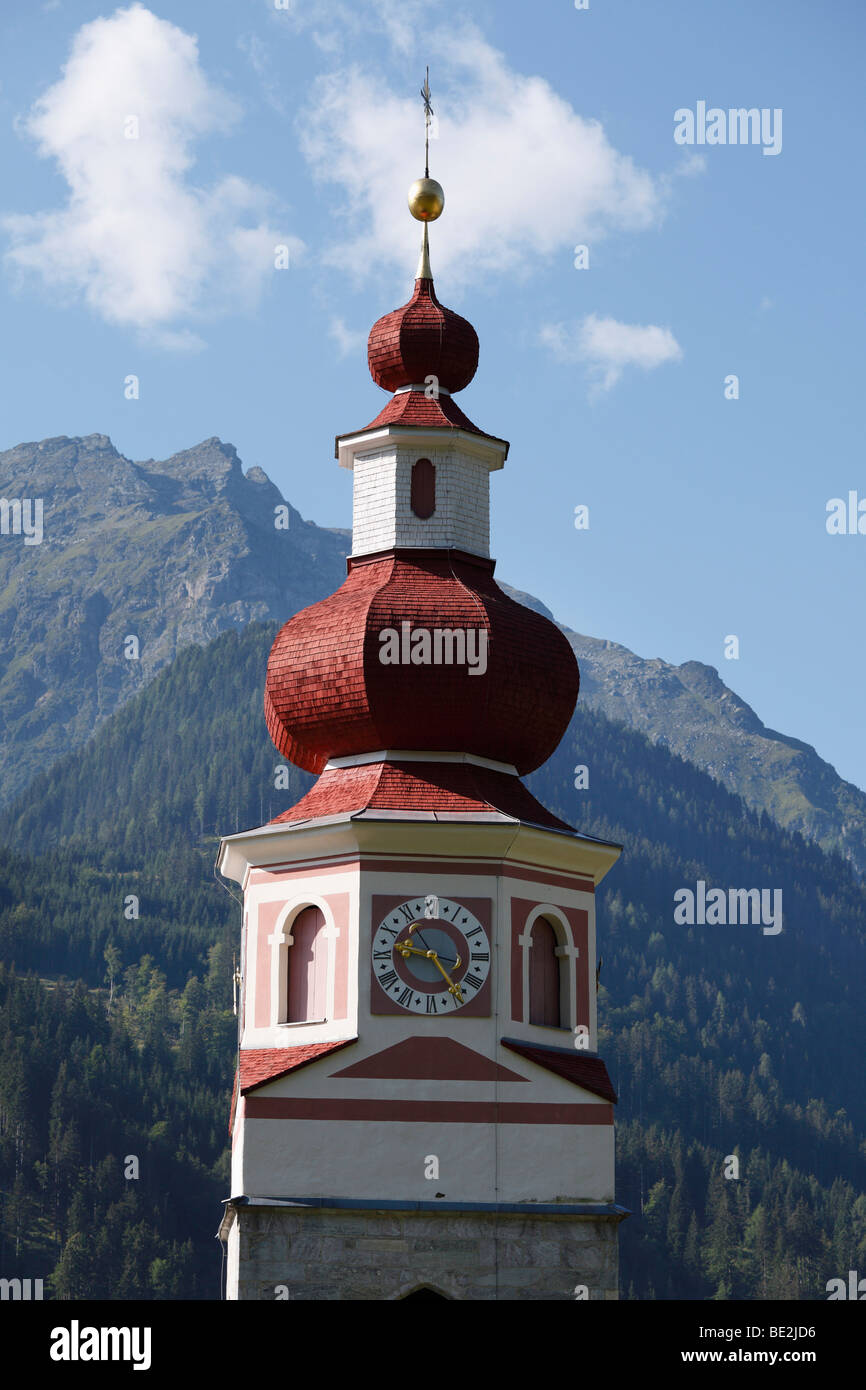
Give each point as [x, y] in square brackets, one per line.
[238, 1144]
[540, 1163]
[477, 1162]
[233, 1261]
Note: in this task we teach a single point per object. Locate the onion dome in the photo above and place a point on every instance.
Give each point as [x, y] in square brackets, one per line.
[419, 662]
[422, 339]
[330, 693]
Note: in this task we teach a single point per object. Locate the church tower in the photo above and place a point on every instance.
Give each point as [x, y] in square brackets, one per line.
[420, 1109]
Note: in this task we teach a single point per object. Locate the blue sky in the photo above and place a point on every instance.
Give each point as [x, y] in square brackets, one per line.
[302, 127]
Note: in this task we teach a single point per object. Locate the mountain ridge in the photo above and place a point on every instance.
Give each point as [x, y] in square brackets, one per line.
[171, 552]
[689, 709]
[176, 551]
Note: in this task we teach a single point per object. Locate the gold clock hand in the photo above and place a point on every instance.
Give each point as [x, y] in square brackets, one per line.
[452, 988]
[416, 926]
[406, 950]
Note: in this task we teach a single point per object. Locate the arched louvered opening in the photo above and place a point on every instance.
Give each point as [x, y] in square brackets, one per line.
[307, 991]
[544, 990]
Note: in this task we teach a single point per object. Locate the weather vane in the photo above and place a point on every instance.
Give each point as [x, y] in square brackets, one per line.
[428, 116]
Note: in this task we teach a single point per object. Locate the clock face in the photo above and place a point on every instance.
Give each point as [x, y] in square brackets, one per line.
[431, 956]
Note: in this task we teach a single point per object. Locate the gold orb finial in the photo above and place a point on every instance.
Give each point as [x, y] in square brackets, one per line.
[426, 200]
[426, 196]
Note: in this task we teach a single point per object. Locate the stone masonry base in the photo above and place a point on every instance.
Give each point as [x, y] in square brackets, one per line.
[325, 1253]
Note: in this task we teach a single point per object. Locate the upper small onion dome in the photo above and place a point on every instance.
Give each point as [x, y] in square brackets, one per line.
[422, 339]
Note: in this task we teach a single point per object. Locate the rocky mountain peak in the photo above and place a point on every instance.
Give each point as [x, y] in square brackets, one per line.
[176, 551]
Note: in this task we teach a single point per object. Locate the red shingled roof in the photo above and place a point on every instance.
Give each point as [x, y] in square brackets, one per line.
[412, 786]
[256, 1065]
[588, 1072]
[328, 695]
[414, 408]
[420, 339]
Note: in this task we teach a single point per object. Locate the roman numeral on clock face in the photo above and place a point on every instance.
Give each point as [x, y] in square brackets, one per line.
[431, 1004]
[386, 955]
[474, 980]
[407, 912]
[388, 979]
[480, 955]
[405, 996]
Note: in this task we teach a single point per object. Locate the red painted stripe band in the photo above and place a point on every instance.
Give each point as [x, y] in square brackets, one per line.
[426, 1111]
[476, 868]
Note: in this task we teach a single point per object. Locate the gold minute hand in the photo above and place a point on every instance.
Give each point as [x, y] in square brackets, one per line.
[406, 950]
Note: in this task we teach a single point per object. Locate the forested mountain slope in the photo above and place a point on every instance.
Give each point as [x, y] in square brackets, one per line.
[720, 1040]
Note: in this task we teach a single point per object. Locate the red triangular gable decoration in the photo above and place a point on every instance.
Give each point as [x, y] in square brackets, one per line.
[429, 1059]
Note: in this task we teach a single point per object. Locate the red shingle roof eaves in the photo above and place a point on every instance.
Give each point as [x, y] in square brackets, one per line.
[469, 817]
[589, 1072]
[297, 1066]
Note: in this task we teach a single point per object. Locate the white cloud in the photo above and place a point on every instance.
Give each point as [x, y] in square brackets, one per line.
[141, 242]
[606, 346]
[348, 340]
[338, 24]
[525, 176]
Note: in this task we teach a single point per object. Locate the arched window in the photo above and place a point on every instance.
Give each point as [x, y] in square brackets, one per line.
[544, 991]
[307, 991]
[423, 493]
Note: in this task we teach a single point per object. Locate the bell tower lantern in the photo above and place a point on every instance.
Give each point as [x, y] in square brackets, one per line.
[420, 1108]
